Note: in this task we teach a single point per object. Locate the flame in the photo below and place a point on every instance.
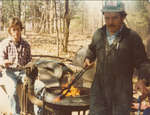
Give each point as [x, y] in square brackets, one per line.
[72, 91]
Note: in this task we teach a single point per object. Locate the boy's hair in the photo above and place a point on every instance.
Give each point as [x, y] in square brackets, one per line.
[15, 21]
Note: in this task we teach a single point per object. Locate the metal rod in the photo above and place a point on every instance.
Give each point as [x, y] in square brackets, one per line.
[139, 107]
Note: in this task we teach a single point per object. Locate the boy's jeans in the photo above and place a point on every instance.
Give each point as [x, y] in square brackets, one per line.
[12, 78]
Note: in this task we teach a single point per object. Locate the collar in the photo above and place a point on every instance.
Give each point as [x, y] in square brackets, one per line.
[16, 44]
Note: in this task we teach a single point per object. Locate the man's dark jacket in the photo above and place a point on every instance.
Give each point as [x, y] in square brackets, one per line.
[111, 91]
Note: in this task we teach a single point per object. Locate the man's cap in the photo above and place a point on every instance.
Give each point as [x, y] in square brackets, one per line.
[113, 6]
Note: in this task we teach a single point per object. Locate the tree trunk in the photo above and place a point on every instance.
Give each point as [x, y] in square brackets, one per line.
[25, 3]
[52, 17]
[60, 26]
[1, 21]
[42, 26]
[66, 25]
[60, 17]
[34, 15]
[13, 9]
[57, 31]
[42, 21]
[19, 7]
[82, 20]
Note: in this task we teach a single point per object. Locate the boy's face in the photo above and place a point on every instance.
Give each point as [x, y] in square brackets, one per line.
[15, 33]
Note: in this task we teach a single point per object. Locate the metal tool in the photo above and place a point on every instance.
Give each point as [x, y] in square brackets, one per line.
[77, 77]
[139, 107]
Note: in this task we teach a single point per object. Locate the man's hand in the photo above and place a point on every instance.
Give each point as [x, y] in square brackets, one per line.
[140, 85]
[87, 63]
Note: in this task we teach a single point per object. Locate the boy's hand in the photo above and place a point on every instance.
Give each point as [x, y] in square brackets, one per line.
[7, 63]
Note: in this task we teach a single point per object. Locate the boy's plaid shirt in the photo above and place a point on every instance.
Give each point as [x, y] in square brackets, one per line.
[19, 55]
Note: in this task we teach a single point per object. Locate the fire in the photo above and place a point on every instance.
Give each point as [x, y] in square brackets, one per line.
[72, 91]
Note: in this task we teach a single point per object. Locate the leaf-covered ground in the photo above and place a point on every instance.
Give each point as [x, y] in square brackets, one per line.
[45, 44]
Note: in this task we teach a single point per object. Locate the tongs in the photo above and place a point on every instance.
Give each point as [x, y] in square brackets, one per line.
[77, 77]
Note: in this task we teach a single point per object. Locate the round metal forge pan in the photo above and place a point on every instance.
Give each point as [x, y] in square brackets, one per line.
[76, 103]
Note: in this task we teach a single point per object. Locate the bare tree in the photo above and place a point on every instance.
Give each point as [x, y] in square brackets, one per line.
[24, 13]
[52, 5]
[33, 11]
[19, 8]
[1, 21]
[13, 9]
[57, 31]
[66, 25]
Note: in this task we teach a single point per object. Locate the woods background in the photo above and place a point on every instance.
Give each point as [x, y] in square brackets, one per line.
[60, 27]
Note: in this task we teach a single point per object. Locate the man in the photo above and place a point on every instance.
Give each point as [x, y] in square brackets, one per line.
[148, 47]
[118, 51]
[15, 52]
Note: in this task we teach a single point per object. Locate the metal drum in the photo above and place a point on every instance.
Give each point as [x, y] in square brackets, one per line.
[68, 104]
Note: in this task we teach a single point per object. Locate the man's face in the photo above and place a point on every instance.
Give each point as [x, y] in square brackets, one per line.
[113, 21]
[15, 32]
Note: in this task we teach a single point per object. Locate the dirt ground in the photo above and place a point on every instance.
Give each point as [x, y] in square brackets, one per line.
[48, 44]
[45, 44]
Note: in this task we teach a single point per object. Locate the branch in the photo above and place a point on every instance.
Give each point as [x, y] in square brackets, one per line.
[52, 57]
